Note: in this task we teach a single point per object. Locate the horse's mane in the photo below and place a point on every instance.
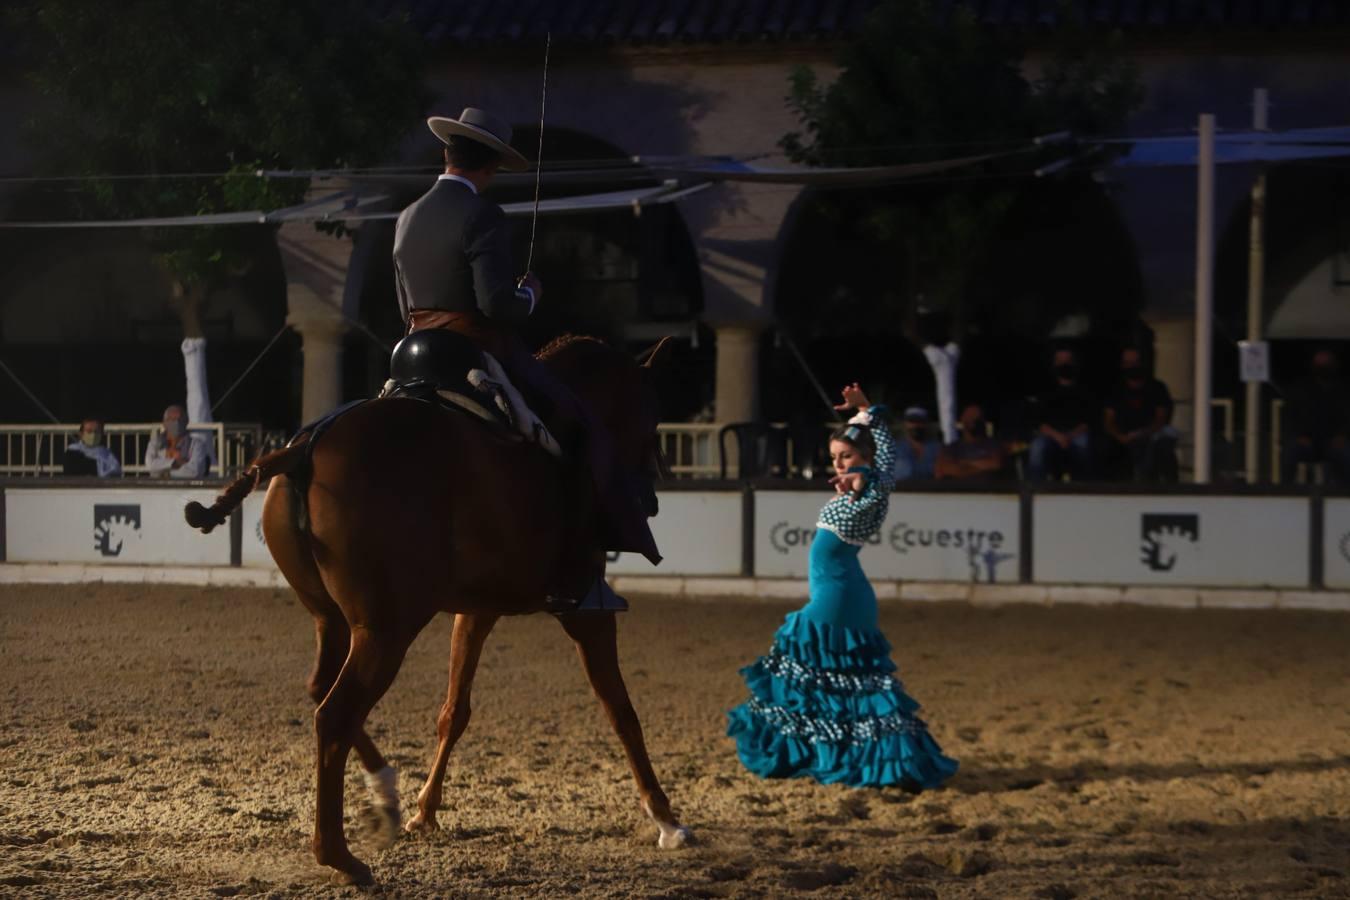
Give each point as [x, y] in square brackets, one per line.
[575, 356]
[566, 342]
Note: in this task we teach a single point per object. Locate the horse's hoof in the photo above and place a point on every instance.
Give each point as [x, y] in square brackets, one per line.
[424, 824]
[356, 873]
[673, 837]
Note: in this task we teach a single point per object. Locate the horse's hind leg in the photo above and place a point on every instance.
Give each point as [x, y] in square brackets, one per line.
[290, 547]
[370, 668]
[597, 643]
[466, 645]
[333, 639]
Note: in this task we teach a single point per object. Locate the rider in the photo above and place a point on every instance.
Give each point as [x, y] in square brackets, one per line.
[453, 270]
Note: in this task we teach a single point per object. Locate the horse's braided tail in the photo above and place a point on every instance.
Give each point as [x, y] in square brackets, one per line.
[278, 462]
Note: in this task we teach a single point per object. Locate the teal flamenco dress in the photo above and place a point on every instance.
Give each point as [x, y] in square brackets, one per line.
[825, 701]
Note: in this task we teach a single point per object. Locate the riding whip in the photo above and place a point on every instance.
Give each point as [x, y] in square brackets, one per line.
[539, 157]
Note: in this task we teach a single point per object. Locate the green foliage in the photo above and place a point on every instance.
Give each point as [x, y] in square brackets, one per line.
[915, 86]
[187, 89]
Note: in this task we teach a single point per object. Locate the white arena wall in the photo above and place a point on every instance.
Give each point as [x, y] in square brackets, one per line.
[1113, 544]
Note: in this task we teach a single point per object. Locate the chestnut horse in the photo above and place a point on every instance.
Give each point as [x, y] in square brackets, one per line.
[402, 510]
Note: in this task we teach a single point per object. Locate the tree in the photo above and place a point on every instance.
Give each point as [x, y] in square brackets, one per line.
[915, 86]
[174, 107]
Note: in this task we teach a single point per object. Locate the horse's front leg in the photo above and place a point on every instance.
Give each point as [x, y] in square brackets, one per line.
[597, 643]
[466, 646]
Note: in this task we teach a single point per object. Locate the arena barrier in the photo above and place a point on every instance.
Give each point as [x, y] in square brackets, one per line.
[1186, 537]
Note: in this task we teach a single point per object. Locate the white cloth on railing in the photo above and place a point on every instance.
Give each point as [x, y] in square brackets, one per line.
[197, 449]
[106, 461]
[943, 361]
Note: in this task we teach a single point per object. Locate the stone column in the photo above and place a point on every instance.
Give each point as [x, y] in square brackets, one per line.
[321, 349]
[736, 398]
[316, 266]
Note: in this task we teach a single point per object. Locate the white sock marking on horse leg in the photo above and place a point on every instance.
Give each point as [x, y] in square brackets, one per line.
[671, 836]
[383, 787]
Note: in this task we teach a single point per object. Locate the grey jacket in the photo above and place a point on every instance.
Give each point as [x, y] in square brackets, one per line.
[452, 251]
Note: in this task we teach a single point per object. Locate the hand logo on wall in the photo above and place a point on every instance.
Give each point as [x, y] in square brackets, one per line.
[116, 526]
[1166, 537]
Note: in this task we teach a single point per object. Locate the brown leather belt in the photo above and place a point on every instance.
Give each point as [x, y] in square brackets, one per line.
[473, 325]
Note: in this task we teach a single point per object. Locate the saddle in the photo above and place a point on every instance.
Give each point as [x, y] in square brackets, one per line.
[446, 368]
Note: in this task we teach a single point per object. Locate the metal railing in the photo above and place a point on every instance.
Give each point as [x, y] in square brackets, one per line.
[37, 450]
[691, 449]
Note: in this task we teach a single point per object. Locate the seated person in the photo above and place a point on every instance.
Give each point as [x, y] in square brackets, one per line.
[1319, 422]
[1063, 441]
[1138, 418]
[974, 456]
[89, 455]
[917, 451]
[175, 451]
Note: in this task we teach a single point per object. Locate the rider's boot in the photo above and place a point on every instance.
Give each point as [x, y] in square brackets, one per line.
[600, 597]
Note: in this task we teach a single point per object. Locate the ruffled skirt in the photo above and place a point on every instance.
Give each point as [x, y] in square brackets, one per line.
[825, 702]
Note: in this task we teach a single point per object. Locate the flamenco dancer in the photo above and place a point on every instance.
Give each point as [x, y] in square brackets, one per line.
[825, 701]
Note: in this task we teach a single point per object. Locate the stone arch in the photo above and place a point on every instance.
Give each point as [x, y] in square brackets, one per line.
[1062, 249]
[1307, 251]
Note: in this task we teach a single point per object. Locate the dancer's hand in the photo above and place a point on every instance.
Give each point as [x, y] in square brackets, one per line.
[848, 483]
[854, 398]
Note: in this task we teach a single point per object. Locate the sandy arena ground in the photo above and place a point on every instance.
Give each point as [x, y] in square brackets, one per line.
[158, 741]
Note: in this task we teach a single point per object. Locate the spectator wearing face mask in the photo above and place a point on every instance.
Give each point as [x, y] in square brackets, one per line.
[917, 451]
[88, 455]
[1319, 422]
[975, 456]
[1138, 421]
[175, 451]
[1063, 442]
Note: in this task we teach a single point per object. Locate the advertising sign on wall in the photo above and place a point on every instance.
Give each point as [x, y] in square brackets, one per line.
[926, 537]
[698, 533]
[1172, 540]
[1336, 542]
[109, 525]
[253, 551]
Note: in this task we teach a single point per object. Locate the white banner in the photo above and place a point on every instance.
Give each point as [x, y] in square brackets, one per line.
[110, 525]
[253, 552]
[1336, 542]
[698, 533]
[926, 537]
[1171, 540]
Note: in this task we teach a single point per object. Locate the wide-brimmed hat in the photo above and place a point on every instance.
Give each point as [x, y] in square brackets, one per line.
[486, 129]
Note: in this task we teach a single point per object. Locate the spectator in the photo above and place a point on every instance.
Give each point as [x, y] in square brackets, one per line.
[975, 456]
[1063, 441]
[89, 455]
[1319, 422]
[175, 451]
[916, 452]
[1138, 421]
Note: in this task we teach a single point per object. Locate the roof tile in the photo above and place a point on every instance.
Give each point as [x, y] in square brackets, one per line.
[489, 22]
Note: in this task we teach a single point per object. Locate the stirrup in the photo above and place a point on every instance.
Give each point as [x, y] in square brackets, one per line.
[600, 598]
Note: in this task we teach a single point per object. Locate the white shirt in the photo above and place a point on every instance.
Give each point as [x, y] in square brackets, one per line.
[461, 179]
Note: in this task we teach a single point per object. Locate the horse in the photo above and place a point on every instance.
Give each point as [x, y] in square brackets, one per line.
[402, 510]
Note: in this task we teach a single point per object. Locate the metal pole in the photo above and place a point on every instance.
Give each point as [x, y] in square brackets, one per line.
[1256, 274]
[1204, 296]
